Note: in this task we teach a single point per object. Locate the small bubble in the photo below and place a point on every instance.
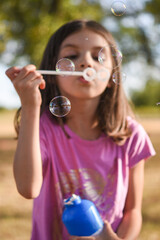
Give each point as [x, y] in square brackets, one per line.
[60, 106]
[65, 64]
[118, 77]
[118, 8]
[105, 53]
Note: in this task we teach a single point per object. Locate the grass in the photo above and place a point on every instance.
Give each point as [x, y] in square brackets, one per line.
[15, 211]
[148, 111]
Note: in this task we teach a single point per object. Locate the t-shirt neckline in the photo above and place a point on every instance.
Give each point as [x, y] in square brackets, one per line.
[74, 136]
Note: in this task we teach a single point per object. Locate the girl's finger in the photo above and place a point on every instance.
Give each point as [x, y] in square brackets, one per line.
[85, 238]
[25, 71]
[81, 238]
[12, 72]
[42, 85]
[27, 81]
[19, 73]
[31, 76]
[39, 82]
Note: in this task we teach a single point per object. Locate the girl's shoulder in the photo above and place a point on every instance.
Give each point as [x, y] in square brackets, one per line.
[139, 136]
[138, 145]
[134, 125]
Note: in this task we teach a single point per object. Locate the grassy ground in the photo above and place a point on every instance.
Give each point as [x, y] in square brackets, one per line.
[15, 211]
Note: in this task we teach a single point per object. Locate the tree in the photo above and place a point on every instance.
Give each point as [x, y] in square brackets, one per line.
[29, 25]
[149, 96]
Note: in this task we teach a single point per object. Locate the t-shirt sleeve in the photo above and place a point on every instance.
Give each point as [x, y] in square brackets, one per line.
[140, 146]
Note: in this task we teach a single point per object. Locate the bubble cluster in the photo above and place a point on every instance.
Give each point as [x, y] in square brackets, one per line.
[118, 8]
[60, 106]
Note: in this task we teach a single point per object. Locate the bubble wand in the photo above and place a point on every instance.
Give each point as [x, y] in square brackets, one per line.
[88, 74]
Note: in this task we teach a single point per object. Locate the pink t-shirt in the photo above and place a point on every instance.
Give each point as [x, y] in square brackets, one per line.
[97, 170]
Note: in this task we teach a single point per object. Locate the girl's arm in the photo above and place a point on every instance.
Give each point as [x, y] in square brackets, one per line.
[27, 165]
[27, 161]
[130, 226]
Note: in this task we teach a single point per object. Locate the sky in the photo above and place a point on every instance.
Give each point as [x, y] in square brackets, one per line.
[8, 95]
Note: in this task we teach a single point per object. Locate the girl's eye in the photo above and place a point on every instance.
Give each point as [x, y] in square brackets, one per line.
[72, 57]
[95, 58]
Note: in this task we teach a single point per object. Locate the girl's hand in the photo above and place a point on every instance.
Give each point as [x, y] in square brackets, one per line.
[27, 83]
[106, 234]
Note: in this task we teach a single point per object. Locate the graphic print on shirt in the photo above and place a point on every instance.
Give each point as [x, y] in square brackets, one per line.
[91, 185]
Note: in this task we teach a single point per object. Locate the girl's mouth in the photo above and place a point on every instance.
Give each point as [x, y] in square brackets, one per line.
[81, 79]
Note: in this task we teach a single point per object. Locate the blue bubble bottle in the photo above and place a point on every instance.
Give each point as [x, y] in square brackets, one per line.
[81, 217]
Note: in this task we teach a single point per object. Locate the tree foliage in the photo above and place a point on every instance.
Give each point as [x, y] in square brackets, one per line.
[149, 96]
[32, 22]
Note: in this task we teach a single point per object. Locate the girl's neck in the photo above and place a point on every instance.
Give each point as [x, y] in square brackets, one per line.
[83, 120]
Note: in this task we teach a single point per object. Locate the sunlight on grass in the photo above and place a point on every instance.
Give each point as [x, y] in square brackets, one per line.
[15, 229]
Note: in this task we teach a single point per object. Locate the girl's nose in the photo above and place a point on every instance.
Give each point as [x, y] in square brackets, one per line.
[86, 61]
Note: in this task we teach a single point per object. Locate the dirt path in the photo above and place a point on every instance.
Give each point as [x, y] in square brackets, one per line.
[151, 125]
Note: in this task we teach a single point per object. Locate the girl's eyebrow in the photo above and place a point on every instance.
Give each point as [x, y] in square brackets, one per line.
[69, 45]
[75, 46]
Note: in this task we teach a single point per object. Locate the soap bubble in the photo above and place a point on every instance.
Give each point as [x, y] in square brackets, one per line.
[65, 64]
[118, 77]
[118, 8]
[103, 75]
[104, 56]
[60, 106]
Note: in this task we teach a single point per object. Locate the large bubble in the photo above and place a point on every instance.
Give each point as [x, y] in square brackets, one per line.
[60, 106]
[65, 64]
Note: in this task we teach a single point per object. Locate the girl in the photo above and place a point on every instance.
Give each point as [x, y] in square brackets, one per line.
[97, 151]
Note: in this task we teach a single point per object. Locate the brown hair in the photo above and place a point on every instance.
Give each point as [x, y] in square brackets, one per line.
[113, 107]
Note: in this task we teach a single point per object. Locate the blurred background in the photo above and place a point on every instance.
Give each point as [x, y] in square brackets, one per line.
[24, 32]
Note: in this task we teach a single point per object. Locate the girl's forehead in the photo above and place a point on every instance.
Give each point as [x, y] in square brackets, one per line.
[84, 37]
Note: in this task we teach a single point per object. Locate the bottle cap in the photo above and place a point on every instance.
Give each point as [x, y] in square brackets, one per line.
[73, 200]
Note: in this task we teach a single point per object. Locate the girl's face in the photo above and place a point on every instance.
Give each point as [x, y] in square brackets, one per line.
[82, 48]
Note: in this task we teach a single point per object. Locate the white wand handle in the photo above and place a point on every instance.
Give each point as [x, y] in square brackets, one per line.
[67, 73]
[88, 74]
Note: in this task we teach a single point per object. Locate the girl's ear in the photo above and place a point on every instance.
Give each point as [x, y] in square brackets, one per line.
[109, 83]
